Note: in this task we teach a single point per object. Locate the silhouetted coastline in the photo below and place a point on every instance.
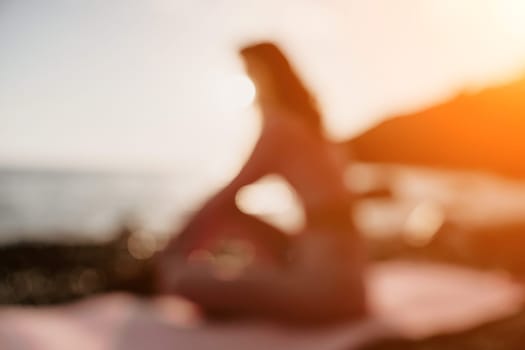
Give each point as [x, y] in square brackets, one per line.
[482, 131]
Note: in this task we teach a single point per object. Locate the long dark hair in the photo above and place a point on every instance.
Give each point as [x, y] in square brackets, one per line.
[287, 88]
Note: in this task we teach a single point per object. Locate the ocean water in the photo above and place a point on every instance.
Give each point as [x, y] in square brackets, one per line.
[58, 205]
[43, 205]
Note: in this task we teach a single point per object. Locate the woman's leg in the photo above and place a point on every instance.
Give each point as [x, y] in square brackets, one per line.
[209, 232]
[227, 244]
[322, 283]
[216, 275]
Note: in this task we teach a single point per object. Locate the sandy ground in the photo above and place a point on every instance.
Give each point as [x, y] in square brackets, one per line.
[408, 300]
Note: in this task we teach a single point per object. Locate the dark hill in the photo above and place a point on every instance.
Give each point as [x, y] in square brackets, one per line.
[483, 131]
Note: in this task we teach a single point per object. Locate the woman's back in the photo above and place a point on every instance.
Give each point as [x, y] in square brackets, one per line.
[312, 165]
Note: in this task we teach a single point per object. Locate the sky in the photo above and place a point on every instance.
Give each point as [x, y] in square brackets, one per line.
[112, 84]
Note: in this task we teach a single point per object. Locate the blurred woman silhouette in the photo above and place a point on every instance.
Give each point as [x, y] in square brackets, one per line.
[231, 263]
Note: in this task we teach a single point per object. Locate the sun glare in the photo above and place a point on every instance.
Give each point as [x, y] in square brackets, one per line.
[233, 92]
[513, 14]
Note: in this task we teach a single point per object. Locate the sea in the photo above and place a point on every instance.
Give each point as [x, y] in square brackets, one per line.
[44, 205]
[38, 204]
